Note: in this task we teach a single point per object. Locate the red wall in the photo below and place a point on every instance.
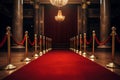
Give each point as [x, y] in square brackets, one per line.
[60, 32]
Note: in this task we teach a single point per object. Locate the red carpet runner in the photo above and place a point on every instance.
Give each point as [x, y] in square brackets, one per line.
[62, 65]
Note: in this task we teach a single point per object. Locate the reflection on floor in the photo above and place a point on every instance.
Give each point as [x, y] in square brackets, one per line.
[103, 57]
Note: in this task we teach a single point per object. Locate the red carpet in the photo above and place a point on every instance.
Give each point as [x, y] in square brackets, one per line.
[62, 65]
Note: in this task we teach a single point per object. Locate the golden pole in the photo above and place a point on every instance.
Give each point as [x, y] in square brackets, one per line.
[35, 53]
[74, 43]
[26, 48]
[26, 44]
[77, 44]
[92, 57]
[84, 53]
[44, 45]
[80, 52]
[40, 53]
[9, 66]
[112, 64]
[113, 42]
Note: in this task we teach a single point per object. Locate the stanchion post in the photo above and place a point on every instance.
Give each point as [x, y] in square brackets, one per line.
[77, 43]
[74, 43]
[26, 59]
[51, 44]
[44, 46]
[84, 53]
[92, 57]
[35, 53]
[80, 52]
[113, 64]
[9, 66]
[41, 41]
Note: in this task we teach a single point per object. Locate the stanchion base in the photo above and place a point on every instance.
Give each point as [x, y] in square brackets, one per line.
[26, 59]
[44, 51]
[92, 57]
[36, 56]
[40, 53]
[80, 52]
[10, 67]
[84, 54]
[77, 51]
[113, 65]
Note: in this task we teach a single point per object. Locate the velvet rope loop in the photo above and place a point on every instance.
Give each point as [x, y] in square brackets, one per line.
[104, 42]
[117, 38]
[31, 43]
[3, 41]
[19, 43]
[88, 42]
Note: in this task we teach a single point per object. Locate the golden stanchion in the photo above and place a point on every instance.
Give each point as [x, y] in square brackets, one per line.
[46, 44]
[74, 44]
[26, 59]
[77, 44]
[92, 57]
[50, 44]
[9, 66]
[84, 53]
[70, 44]
[80, 52]
[35, 53]
[44, 51]
[113, 64]
[40, 53]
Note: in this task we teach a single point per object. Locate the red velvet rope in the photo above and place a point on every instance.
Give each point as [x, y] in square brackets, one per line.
[19, 43]
[88, 42]
[102, 43]
[3, 41]
[118, 39]
[31, 43]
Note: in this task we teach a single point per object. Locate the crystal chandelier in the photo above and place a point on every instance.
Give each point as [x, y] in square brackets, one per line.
[59, 3]
[59, 16]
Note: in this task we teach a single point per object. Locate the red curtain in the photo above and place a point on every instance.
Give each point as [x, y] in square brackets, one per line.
[60, 32]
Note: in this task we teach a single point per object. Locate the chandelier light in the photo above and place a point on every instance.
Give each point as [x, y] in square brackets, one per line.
[59, 3]
[59, 16]
[85, 3]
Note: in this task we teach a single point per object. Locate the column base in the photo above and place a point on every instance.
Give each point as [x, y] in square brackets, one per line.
[104, 46]
[18, 47]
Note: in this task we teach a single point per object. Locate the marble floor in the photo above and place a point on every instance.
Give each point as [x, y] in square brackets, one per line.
[103, 57]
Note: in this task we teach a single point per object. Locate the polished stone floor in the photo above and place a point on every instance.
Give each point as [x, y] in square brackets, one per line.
[103, 57]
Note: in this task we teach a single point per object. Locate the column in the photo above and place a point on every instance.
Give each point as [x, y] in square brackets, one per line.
[79, 26]
[18, 22]
[41, 19]
[79, 18]
[36, 16]
[84, 20]
[104, 21]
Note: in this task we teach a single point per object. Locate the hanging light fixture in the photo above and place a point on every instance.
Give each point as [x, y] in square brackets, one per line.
[59, 3]
[59, 16]
[85, 3]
